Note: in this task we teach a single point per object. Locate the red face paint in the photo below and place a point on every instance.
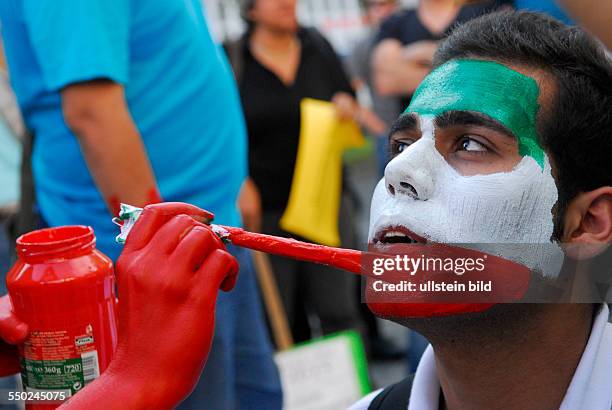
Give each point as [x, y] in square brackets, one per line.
[508, 282]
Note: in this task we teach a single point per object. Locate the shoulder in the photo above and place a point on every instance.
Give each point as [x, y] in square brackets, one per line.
[476, 10]
[314, 42]
[396, 23]
[399, 18]
[393, 397]
[364, 402]
[314, 37]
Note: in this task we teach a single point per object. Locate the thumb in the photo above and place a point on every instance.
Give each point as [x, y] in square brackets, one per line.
[12, 330]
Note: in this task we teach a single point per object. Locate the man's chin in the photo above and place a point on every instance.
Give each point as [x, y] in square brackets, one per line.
[425, 310]
[464, 323]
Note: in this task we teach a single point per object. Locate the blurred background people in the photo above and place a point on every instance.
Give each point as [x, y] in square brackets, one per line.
[386, 108]
[133, 102]
[12, 132]
[593, 15]
[278, 63]
[550, 7]
[408, 40]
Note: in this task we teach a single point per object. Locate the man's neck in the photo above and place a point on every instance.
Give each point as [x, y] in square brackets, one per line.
[437, 15]
[531, 369]
[439, 7]
[274, 41]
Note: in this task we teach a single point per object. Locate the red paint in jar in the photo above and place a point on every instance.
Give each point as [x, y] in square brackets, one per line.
[64, 289]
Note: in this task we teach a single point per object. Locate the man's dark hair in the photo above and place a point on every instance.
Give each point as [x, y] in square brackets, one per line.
[576, 130]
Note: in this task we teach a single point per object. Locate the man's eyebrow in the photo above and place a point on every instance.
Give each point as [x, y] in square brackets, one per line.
[405, 122]
[455, 118]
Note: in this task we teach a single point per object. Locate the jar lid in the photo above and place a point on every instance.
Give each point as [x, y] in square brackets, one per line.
[62, 242]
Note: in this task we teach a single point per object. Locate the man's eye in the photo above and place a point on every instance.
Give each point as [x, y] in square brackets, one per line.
[401, 146]
[397, 146]
[469, 144]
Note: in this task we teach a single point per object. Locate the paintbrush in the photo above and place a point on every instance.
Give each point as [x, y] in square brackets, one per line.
[511, 278]
[345, 259]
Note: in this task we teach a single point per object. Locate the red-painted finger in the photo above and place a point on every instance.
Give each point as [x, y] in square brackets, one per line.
[167, 238]
[155, 216]
[195, 247]
[12, 330]
[220, 269]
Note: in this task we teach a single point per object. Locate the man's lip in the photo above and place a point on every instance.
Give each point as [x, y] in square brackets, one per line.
[398, 228]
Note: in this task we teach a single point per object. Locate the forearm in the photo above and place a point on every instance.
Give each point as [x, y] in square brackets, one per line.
[394, 73]
[371, 122]
[594, 15]
[401, 79]
[119, 164]
[111, 145]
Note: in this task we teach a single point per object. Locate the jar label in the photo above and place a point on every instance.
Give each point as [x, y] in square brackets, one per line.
[60, 360]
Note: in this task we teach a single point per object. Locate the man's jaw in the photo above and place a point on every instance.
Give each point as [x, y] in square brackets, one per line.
[391, 237]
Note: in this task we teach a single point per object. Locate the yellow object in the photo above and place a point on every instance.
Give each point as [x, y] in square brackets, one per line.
[314, 202]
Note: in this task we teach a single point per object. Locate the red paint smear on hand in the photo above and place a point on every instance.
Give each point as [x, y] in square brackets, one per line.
[153, 197]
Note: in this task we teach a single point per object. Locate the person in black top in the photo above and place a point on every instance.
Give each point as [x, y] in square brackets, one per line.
[282, 63]
[408, 39]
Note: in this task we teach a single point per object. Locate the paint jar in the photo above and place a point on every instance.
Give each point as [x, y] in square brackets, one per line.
[64, 289]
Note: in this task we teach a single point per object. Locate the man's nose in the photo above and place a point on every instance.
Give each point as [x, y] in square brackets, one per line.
[412, 172]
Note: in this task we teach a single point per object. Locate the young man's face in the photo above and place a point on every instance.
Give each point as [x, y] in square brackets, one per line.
[467, 168]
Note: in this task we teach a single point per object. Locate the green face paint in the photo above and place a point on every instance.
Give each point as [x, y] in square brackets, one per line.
[486, 87]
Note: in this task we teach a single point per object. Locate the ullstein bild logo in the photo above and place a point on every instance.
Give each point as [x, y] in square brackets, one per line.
[416, 273]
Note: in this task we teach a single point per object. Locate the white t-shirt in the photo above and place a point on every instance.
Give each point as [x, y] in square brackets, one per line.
[591, 386]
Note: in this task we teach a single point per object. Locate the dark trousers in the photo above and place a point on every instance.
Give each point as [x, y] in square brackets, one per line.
[326, 292]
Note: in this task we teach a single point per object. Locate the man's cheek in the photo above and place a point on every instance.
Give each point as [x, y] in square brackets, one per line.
[379, 199]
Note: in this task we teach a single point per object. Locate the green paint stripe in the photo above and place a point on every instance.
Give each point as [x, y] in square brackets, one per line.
[489, 88]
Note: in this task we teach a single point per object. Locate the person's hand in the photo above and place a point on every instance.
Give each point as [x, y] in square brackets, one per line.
[249, 203]
[168, 278]
[420, 52]
[346, 106]
[12, 332]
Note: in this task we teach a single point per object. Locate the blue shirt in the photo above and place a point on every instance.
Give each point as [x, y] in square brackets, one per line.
[179, 89]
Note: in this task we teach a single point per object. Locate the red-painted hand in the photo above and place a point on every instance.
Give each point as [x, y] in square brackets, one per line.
[12, 332]
[168, 278]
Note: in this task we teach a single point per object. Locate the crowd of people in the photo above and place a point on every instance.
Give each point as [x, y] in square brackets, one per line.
[136, 103]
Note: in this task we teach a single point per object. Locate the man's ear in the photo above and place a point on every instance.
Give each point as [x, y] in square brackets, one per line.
[588, 223]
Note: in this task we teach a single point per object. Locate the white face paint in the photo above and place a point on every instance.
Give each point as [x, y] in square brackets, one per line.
[493, 211]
